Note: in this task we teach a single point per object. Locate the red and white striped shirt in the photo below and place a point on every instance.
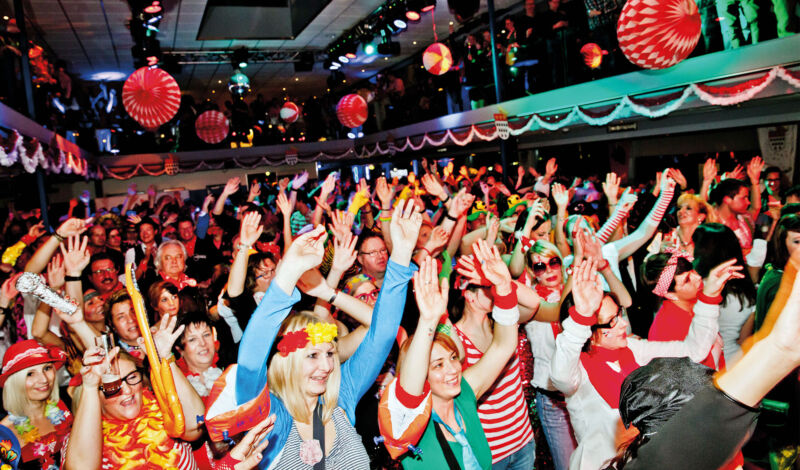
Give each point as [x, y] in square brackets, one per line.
[502, 409]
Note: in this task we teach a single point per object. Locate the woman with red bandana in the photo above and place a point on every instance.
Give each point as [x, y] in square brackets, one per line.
[36, 415]
[594, 354]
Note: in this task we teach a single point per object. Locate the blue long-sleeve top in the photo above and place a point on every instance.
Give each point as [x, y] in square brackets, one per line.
[357, 373]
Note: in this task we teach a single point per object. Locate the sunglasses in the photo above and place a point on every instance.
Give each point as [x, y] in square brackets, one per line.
[114, 388]
[540, 267]
[611, 324]
[366, 296]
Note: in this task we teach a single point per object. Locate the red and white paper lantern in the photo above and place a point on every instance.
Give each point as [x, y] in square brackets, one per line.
[352, 110]
[290, 112]
[212, 127]
[656, 34]
[437, 59]
[151, 97]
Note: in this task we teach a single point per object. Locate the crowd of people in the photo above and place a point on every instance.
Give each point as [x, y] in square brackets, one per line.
[445, 319]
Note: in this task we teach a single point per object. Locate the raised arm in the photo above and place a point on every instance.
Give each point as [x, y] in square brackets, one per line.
[754, 175]
[85, 447]
[249, 231]
[561, 197]
[385, 194]
[286, 207]
[230, 188]
[565, 370]
[39, 260]
[505, 313]
[535, 213]
[628, 245]
[365, 364]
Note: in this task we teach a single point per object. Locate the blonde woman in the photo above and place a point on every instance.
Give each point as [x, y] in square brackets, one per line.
[36, 415]
[312, 395]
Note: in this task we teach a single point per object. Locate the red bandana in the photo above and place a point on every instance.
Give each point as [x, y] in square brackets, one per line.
[607, 369]
[180, 283]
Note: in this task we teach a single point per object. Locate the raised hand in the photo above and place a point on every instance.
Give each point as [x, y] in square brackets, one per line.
[232, 186]
[255, 191]
[248, 450]
[328, 186]
[485, 188]
[164, 336]
[299, 180]
[433, 187]
[283, 204]
[503, 189]
[344, 252]
[520, 171]
[550, 168]
[493, 227]
[72, 319]
[250, 228]
[677, 175]
[460, 204]
[560, 196]
[709, 170]
[492, 265]
[404, 229]
[71, 227]
[385, 192]
[283, 183]
[341, 223]
[611, 187]
[438, 239]
[628, 199]
[8, 291]
[134, 219]
[666, 181]
[94, 365]
[306, 251]
[206, 203]
[754, 168]
[76, 255]
[587, 291]
[55, 272]
[719, 275]
[737, 173]
[431, 294]
[36, 230]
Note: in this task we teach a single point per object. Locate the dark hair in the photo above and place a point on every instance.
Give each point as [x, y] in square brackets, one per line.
[103, 255]
[184, 218]
[654, 265]
[771, 169]
[793, 191]
[196, 317]
[789, 209]
[780, 254]
[117, 297]
[147, 221]
[568, 302]
[714, 244]
[367, 235]
[726, 188]
[252, 264]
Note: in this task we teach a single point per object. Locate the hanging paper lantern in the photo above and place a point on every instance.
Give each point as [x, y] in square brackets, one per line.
[437, 59]
[212, 127]
[352, 110]
[151, 97]
[290, 112]
[592, 55]
[656, 34]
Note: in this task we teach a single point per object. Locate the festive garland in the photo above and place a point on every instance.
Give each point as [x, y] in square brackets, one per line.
[651, 107]
[50, 161]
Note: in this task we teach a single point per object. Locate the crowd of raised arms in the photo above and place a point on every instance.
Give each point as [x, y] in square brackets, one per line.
[440, 320]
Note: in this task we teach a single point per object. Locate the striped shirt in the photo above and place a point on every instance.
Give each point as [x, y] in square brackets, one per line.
[502, 409]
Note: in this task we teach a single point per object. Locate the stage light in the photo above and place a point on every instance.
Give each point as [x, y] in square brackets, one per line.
[412, 15]
[400, 23]
[428, 5]
[343, 59]
[239, 58]
[370, 48]
[154, 8]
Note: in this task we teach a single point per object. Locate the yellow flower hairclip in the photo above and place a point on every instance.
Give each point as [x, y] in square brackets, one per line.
[321, 332]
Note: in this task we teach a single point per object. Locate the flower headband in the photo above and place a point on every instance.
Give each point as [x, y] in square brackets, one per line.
[316, 333]
[668, 274]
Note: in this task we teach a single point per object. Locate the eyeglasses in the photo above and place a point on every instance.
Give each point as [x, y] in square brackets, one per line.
[371, 295]
[107, 270]
[611, 324]
[382, 251]
[133, 378]
[264, 272]
[540, 268]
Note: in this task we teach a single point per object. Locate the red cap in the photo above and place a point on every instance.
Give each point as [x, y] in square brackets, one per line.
[29, 353]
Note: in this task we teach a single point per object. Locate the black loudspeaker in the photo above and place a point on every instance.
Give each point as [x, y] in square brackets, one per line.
[463, 10]
[304, 62]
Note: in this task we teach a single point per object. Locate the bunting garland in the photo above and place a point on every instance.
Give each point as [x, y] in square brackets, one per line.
[33, 156]
[651, 107]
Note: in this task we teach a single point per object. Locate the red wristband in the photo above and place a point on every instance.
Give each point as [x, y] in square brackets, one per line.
[716, 300]
[603, 266]
[580, 319]
[28, 239]
[505, 301]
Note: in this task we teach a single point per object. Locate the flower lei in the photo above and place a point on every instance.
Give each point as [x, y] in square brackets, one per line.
[316, 333]
[29, 433]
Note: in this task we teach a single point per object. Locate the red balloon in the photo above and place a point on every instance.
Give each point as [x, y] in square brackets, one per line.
[151, 97]
[656, 34]
[290, 112]
[211, 127]
[437, 59]
[352, 110]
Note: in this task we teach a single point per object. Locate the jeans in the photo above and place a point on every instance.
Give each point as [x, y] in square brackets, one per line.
[730, 12]
[522, 459]
[557, 429]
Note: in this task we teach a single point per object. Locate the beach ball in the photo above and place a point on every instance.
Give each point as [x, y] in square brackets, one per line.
[437, 59]
[290, 112]
[352, 110]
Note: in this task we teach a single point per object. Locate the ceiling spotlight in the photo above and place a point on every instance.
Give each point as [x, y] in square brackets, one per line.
[370, 48]
[343, 59]
[428, 5]
[153, 8]
[412, 15]
[239, 58]
[400, 23]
